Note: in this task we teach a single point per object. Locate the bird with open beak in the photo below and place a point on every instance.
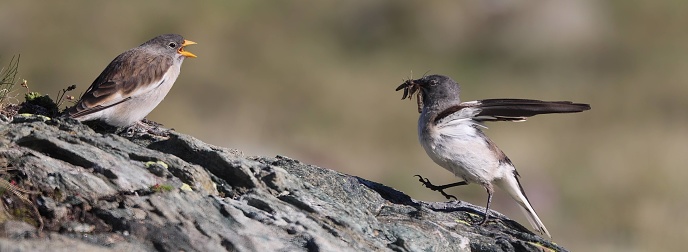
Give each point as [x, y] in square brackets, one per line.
[134, 83]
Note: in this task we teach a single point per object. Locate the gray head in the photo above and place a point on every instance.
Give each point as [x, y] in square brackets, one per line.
[170, 44]
[438, 89]
[435, 91]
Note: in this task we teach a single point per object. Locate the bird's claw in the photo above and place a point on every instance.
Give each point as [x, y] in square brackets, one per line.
[429, 185]
[482, 222]
[143, 127]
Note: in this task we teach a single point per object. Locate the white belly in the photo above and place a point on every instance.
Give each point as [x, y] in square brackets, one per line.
[460, 149]
[140, 105]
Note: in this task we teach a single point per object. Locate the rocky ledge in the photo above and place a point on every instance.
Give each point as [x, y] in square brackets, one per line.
[66, 187]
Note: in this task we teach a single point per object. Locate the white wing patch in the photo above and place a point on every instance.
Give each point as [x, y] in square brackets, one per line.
[463, 117]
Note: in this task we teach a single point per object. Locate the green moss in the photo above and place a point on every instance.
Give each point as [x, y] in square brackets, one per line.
[39, 104]
[161, 188]
[33, 96]
[44, 101]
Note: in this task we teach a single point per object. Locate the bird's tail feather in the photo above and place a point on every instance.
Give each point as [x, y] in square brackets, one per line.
[513, 187]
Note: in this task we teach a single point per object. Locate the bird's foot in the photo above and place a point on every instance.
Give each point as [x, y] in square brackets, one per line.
[154, 128]
[440, 189]
[143, 127]
[484, 221]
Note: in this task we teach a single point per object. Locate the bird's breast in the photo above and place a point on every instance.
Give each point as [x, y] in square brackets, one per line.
[458, 148]
[141, 104]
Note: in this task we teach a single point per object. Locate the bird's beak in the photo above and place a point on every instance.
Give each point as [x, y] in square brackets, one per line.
[185, 53]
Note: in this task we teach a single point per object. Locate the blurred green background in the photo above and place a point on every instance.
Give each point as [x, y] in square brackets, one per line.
[314, 80]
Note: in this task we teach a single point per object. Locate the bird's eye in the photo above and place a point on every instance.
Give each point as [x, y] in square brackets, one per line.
[172, 45]
[433, 82]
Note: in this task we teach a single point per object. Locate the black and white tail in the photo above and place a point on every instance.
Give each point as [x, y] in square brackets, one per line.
[513, 187]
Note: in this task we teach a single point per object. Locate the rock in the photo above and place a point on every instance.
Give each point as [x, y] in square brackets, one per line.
[98, 191]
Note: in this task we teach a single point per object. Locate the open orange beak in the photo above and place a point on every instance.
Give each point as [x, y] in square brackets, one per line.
[185, 53]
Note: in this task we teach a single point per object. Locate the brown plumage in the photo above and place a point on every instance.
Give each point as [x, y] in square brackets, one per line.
[134, 83]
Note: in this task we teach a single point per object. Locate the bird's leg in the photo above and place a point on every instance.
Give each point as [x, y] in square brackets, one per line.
[440, 188]
[154, 128]
[490, 191]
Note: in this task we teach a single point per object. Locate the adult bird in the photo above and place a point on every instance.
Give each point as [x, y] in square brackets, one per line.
[450, 132]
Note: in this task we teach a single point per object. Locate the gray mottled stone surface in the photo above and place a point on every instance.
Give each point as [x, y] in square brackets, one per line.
[103, 192]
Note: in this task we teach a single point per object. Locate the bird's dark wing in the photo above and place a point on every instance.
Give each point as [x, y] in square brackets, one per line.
[519, 109]
[508, 109]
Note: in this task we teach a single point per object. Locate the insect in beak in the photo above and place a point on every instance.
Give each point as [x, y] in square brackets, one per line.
[410, 88]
